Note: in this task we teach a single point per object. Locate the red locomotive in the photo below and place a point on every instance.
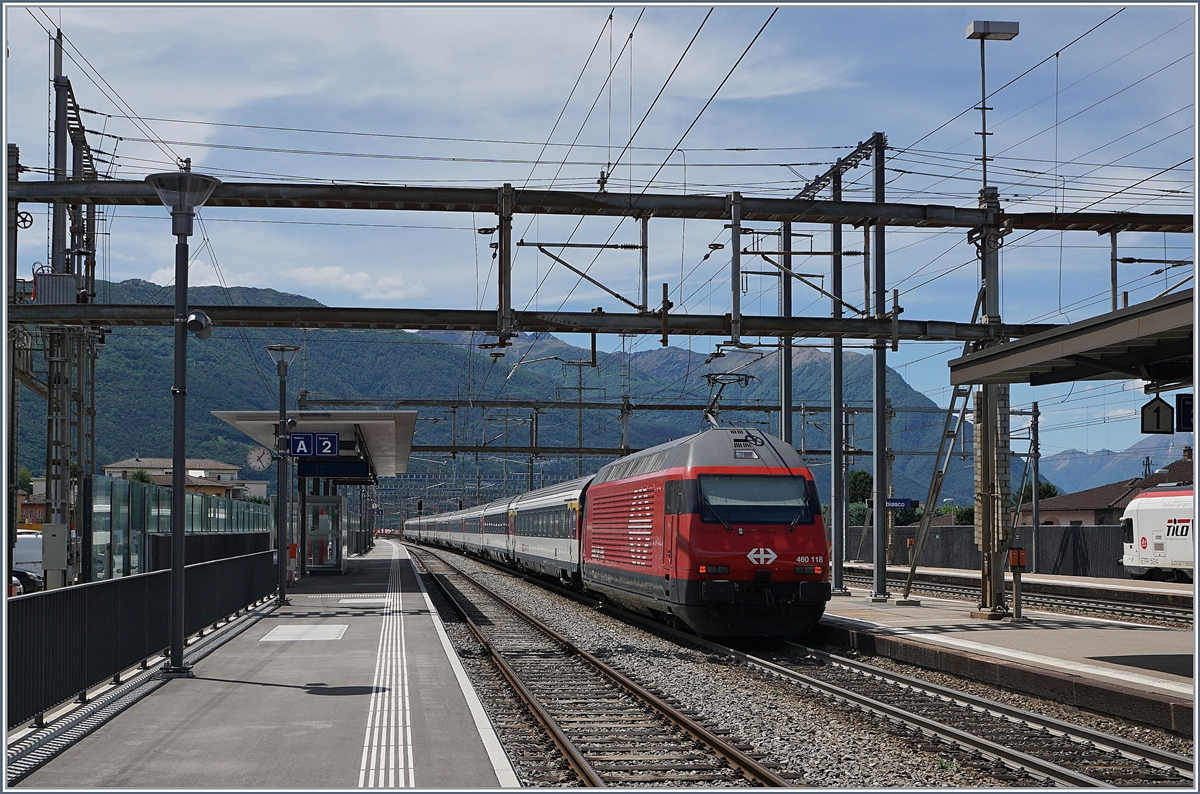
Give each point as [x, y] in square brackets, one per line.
[721, 530]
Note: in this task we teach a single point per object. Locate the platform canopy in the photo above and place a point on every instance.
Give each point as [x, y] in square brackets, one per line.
[1151, 341]
[382, 438]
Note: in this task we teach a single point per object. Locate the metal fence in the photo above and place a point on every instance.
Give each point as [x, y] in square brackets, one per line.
[63, 641]
[1062, 550]
[123, 513]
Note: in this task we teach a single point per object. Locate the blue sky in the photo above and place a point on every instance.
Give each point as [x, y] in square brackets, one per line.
[469, 96]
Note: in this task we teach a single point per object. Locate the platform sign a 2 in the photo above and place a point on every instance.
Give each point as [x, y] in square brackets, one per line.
[1158, 417]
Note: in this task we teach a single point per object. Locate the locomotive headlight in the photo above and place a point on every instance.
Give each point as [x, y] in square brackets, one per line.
[714, 569]
[807, 570]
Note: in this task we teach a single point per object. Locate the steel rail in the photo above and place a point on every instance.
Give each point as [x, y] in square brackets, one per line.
[570, 752]
[1129, 749]
[751, 768]
[1014, 759]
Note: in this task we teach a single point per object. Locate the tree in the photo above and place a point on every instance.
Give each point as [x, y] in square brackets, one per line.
[140, 476]
[1046, 490]
[858, 486]
[24, 480]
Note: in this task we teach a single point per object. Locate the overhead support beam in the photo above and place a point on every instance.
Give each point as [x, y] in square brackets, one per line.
[552, 202]
[99, 314]
[307, 403]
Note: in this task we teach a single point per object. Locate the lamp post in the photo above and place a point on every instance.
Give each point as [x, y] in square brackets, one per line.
[991, 404]
[282, 355]
[183, 192]
[996, 31]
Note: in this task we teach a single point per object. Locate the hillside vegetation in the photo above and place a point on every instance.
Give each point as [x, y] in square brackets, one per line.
[231, 371]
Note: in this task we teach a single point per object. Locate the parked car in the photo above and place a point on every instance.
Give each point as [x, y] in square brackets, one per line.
[30, 581]
[14, 588]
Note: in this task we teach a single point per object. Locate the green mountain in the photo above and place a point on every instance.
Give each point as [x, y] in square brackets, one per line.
[231, 371]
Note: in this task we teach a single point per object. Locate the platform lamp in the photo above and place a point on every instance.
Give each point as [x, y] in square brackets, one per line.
[282, 355]
[183, 192]
[984, 31]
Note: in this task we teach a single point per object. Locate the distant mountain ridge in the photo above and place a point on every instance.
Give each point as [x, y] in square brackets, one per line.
[230, 371]
[1072, 470]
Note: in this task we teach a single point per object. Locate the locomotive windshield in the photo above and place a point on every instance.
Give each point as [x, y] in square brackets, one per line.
[754, 499]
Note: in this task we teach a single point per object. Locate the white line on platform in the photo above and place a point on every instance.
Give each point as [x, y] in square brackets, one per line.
[501, 765]
[387, 759]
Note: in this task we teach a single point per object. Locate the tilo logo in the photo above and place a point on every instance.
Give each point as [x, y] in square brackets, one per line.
[762, 556]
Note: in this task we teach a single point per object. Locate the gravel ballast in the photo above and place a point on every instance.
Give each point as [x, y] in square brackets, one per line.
[826, 743]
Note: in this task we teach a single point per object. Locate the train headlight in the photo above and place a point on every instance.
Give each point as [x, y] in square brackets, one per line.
[714, 569]
[807, 570]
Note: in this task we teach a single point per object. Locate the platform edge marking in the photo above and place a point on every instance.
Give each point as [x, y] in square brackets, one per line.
[501, 765]
[1049, 661]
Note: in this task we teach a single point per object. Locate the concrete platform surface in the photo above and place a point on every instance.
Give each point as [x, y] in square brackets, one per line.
[1138, 656]
[352, 685]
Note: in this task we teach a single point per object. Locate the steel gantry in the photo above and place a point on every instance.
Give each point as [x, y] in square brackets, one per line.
[880, 325]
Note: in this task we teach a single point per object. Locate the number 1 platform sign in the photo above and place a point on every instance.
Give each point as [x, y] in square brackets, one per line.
[1158, 416]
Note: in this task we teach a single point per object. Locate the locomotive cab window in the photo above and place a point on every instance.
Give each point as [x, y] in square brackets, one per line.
[754, 499]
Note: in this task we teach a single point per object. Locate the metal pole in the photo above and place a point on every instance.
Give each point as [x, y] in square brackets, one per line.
[645, 305]
[866, 269]
[11, 385]
[785, 342]
[579, 419]
[1112, 236]
[1035, 453]
[58, 221]
[281, 486]
[879, 393]
[177, 669]
[504, 279]
[837, 430]
[983, 135]
[302, 552]
[735, 267]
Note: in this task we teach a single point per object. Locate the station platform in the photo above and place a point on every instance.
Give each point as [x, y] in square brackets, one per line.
[355, 684]
[1131, 670]
[1173, 594]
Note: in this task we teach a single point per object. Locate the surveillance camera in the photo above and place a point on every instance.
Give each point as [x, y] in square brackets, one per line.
[291, 421]
[199, 324]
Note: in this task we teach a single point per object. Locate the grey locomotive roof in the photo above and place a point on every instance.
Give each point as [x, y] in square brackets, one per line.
[712, 447]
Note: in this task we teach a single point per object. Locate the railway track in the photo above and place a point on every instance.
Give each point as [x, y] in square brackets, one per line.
[1029, 745]
[1043, 747]
[1111, 609]
[610, 730]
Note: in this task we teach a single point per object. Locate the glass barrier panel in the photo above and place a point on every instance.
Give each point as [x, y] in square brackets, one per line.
[101, 526]
[120, 528]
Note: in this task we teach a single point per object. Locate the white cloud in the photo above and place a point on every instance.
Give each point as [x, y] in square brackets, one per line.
[366, 285]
